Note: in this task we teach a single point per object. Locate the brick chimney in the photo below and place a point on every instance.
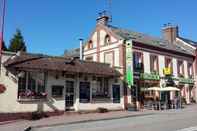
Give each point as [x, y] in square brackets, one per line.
[170, 32]
[103, 18]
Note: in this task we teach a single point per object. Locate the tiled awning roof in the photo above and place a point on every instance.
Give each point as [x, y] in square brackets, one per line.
[67, 64]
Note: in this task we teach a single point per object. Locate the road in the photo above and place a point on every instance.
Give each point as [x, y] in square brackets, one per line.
[172, 120]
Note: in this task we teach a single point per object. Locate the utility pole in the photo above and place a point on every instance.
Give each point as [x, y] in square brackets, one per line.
[2, 19]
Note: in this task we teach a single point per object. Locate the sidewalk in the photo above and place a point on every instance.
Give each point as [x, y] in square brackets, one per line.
[72, 119]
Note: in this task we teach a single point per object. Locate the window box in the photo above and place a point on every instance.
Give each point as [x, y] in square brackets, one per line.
[31, 96]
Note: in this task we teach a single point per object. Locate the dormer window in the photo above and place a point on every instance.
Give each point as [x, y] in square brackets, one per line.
[107, 40]
[90, 44]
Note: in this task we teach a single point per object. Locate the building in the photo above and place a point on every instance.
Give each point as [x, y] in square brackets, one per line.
[36, 82]
[153, 59]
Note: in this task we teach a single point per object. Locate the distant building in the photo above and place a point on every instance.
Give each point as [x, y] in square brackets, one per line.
[154, 59]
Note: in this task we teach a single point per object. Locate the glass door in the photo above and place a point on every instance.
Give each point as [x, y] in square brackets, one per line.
[69, 95]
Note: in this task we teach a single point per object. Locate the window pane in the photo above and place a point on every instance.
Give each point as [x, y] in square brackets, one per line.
[22, 83]
[41, 82]
[32, 81]
[57, 91]
[100, 89]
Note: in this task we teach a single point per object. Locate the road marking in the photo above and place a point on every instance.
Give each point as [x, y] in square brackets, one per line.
[194, 128]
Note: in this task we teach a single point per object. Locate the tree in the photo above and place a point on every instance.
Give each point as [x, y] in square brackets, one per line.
[17, 43]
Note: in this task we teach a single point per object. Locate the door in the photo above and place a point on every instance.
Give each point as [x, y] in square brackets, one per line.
[69, 95]
[116, 93]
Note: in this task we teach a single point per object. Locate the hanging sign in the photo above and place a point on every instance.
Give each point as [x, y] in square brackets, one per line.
[129, 65]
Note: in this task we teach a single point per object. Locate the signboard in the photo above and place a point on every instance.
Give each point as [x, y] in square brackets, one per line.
[186, 80]
[129, 64]
[167, 71]
[147, 76]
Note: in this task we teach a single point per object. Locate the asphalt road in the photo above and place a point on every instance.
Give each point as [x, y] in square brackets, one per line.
[172, 120]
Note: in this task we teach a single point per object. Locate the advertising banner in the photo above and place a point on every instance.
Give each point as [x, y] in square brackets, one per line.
[129, 64]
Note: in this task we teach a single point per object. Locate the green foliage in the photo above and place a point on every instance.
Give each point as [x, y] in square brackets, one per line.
[17, 43]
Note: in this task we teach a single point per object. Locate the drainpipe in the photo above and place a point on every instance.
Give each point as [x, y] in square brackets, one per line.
[81, 48]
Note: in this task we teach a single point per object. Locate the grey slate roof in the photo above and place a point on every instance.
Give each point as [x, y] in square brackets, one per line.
[191, 42]
[152, 41]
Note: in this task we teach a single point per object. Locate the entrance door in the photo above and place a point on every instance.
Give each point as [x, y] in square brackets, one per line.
[116, 93]
[69, 95]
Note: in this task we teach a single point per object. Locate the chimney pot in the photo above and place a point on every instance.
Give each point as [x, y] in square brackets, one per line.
[103, 18]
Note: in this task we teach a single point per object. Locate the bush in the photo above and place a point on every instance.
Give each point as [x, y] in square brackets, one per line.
[38, 115]
[101, 110]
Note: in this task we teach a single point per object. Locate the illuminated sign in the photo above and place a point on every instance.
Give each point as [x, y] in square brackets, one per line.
[167, 71]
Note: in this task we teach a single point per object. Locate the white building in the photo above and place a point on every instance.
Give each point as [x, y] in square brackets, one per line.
[49, 84]
[151, 56]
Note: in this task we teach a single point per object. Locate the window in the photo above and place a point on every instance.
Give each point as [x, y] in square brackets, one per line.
[109, 58]
[22, 83]
[90, 44]
[180, 68]
[31, 85]
[100, 90]
[190, 70]
[137, 61]
[168, 63]
[89, 58]
[154, 63]
[107, 40]
[84, 92]
[57, 91]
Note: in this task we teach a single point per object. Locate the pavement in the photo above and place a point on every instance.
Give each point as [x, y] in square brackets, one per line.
[73, 118]
[117, 120]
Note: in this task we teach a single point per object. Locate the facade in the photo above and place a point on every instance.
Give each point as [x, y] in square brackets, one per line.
[157, 62]
[35, 82]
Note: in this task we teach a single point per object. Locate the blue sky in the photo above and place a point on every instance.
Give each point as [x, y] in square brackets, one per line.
[51, 26]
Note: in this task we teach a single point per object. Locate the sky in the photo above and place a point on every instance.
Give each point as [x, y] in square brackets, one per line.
[51, 26]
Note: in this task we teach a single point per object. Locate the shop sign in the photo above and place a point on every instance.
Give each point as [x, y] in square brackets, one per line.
[129, 64]
[167, 71]
[149, 76]
[186, 80]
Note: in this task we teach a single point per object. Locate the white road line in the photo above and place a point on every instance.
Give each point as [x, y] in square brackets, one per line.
[194, 128]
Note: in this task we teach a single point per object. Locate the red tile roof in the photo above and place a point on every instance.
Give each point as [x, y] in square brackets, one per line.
[67, 64]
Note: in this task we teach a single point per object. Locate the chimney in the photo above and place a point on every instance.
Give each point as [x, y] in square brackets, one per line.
[170, 32]
[103, 18]
[81, 48]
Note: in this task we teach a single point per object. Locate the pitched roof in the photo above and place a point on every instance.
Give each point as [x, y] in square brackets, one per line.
[150, 40]
[191, 42]
[67, 64]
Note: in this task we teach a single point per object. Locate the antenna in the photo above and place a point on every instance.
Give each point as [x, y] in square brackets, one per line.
[109, 9]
